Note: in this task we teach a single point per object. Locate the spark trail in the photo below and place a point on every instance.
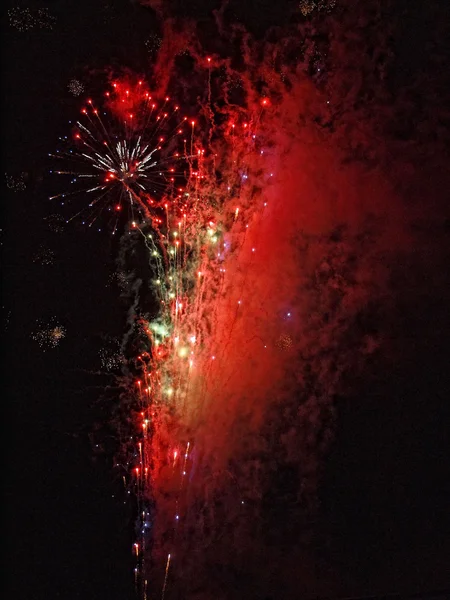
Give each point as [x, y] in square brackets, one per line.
[188, 255]
[132, 152]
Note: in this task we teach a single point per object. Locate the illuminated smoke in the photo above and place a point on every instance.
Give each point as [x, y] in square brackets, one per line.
[246, 326]
[285, 316]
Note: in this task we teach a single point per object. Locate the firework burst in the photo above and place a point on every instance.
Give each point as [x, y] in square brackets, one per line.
[16, 183]
[132, 152]
[75, 87]
[44, 256]
[24, 19]
[111, 357]
[153, 44]
[56, 223]
[48, 334]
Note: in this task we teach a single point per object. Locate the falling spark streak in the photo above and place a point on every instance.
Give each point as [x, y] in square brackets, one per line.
[165, 577]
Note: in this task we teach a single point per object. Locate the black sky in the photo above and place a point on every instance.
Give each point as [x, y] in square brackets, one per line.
[385, 494]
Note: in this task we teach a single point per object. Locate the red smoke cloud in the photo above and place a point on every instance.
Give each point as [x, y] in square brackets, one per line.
[297, 309]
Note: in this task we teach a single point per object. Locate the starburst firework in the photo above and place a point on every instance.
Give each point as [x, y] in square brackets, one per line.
[134, 151]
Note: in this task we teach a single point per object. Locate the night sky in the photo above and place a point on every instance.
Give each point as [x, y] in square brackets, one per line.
[383, 523]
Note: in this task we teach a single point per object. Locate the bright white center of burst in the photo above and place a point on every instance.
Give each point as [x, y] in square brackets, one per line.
[126, 161]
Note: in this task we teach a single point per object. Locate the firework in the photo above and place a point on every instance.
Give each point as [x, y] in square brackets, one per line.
[44, 19]
[235, 82]
[108, 12]
[44, 256]
[142, 154]
[110, 360]
[153, 43]
[187, 254]
[122, 279]
[132, 152]
[211, 350]
[56, 223]
[184, 52]
[111, 356]
[24, 19]
[6, 317]
[16, 183]
[284, 342]
[48, 334]
[75, 87]
[308, 6]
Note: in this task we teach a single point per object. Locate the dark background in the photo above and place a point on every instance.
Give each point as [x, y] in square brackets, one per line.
[68, 530]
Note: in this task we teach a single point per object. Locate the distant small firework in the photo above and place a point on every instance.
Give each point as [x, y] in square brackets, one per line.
[108, 12]
[75, 87]
[153, 43]
[43, 19]
[6, 317]
[16, 183]
[48, 334]
[121, 279]
[111, 355]
[24, 19]
[44, 256]
[308, 6]
[284, 342]
[235, 82]
[21, 18]
[56, 223]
